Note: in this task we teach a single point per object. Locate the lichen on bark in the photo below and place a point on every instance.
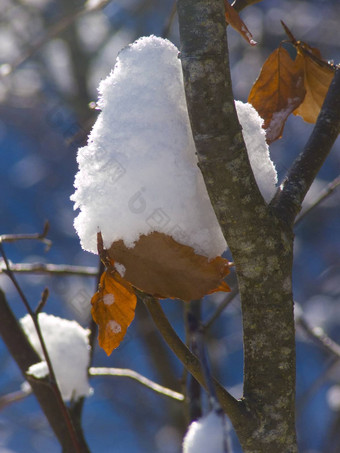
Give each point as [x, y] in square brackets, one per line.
[260, 242]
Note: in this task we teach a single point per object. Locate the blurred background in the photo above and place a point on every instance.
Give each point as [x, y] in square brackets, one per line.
[52, 56]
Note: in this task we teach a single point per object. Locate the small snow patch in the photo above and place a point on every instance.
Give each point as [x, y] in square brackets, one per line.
[120, 268]
[38, 370]
[114, 326]
[108, 299]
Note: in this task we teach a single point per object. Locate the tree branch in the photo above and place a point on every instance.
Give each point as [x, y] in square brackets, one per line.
[55, 269]
[23, 237]
[51, 378]
[167, 27]
[25, 356]
[326, 192]
[51, 33]
[124, 372]
[221, 307]
[318, 336]
[260, 243]
[193, 387]
[221, 151]
[14, 397]
[288, 200]
[234, 409]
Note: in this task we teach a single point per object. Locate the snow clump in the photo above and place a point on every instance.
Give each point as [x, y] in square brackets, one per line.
[68, 347]
[138, 172]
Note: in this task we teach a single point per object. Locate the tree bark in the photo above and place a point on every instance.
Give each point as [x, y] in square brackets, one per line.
[261, 244]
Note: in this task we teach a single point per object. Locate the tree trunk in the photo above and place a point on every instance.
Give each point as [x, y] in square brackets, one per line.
[261, 244]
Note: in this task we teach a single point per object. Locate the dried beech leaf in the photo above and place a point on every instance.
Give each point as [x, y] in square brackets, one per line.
[160, 266]
[113, 309]
[233, 19]
[318, 75]
[278, 91]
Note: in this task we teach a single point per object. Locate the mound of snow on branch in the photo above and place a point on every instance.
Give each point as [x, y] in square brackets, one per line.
[68, 347]
[138, 172]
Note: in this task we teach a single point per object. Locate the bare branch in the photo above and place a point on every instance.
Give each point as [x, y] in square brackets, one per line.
[233, 408]
[222, 306]
[198, 348]
[288, 200]
[193, 387]
[36, 236]
[326, 192]
[10, 398]
[124, 372]
[93, 326]
[43, 301]
[321, 380]
[329, 346]
[255, 235]
[52, 378]
[170, 21]
[221, 151]
[25, 356]
[55, 269]
[319, 336]
[53, 31]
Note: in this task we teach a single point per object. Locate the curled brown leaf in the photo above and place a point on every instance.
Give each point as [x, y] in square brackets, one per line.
[278, 91]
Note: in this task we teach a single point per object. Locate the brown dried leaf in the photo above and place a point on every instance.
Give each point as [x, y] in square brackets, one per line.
[318, 75]
[278, 91]
[160, 266]
[233, 19]
[113, 310]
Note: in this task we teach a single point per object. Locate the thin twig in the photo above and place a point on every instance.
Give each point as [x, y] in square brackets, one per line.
[52, 377]
[13, 397]
[321, 380]
[55, 269]
[93, 326]
[36, 236]
[289, 197]
[25, 355]
[193, 389]
[198, 347]
[319, 336]
[169, 22]
[222, 306]
[328, 190]
[52, 32]
[42, 302]
[124, 372]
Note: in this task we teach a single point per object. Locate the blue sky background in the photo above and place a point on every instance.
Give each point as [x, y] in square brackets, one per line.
[43, 104]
